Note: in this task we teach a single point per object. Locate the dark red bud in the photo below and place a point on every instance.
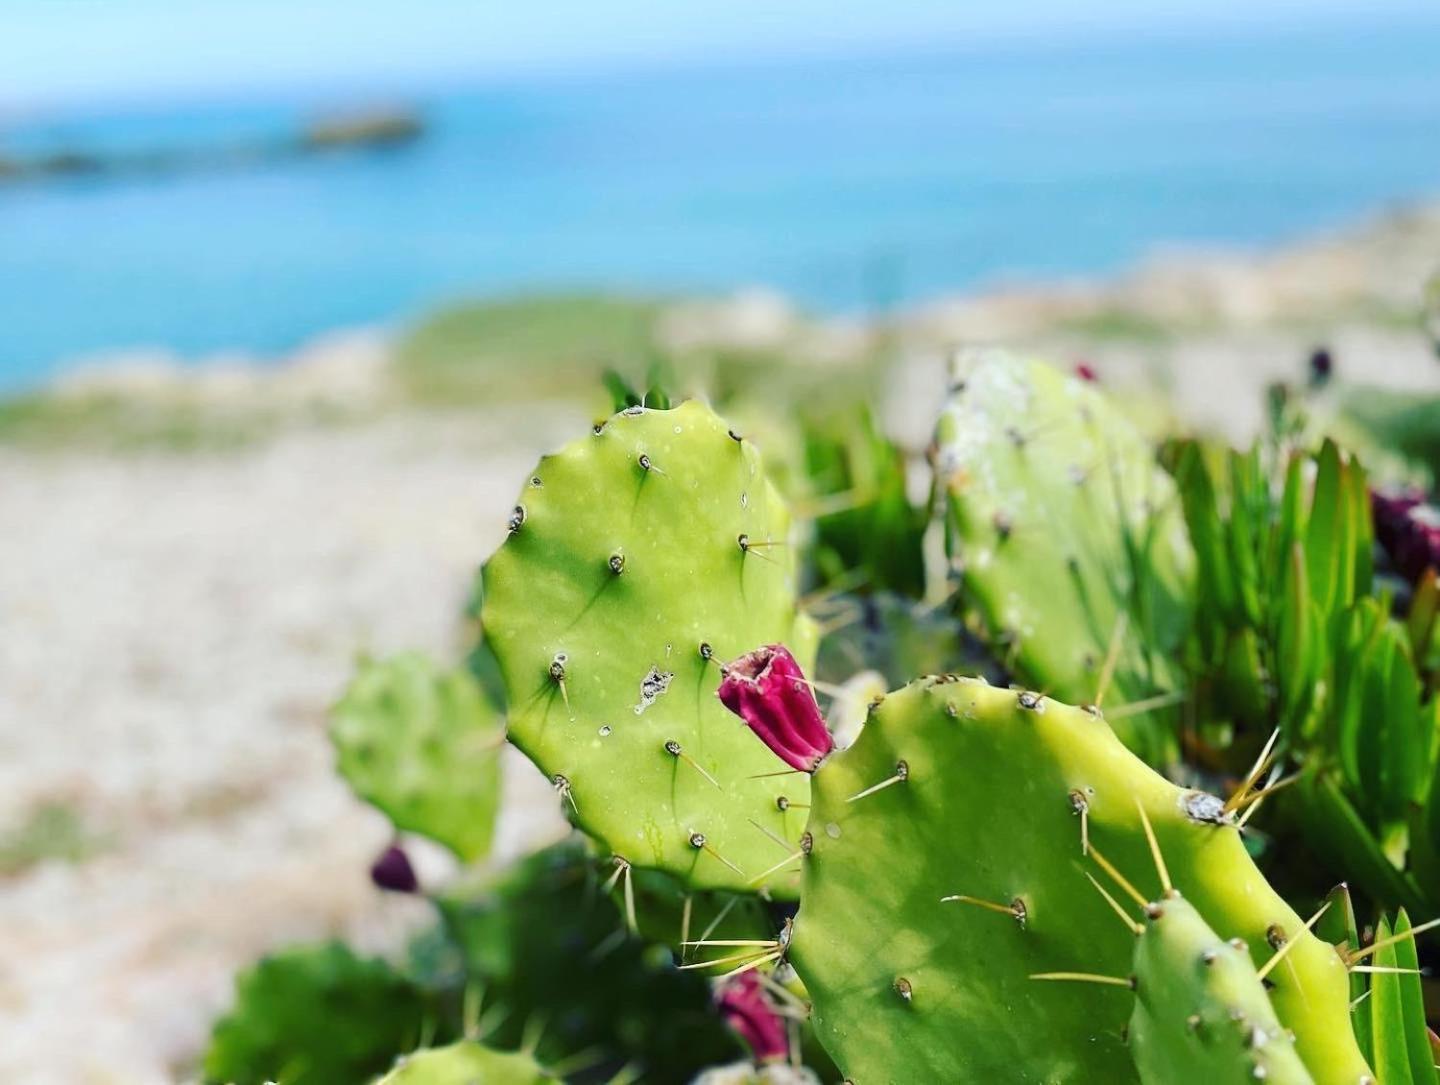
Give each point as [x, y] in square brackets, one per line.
[767, 689]
[392, 871]
[1408, 530]
[1086, 372]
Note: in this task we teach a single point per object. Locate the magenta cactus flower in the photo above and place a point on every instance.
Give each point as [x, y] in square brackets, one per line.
[745, 1008]
[392, 871]
[767, 689]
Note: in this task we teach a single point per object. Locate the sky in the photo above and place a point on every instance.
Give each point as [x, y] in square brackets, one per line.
[94, 51]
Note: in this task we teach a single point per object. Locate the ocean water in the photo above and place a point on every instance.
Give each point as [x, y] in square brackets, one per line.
[850, 184]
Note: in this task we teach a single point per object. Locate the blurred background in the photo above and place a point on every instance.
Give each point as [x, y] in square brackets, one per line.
[292, 294]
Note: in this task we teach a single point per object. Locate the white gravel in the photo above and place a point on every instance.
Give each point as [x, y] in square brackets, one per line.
[171, 632]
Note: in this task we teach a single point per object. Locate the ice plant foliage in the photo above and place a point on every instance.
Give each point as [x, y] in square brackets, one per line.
[767, 689]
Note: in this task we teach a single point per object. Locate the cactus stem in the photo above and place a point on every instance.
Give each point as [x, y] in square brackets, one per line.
[1112, 656]
[902, 774]
[1269, 966]
[1360, 954]
[1262, 762]
[1016, 909]
[1118, 878]
[783, 862]
[699, 843]
[673, 749]
[1135, 926]
[1160, 868]
[1086, 977]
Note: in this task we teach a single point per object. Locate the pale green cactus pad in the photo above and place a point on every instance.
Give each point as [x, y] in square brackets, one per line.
[468, 1063]
[1201, 1011]
[956, 789]
[640, 558]
[422, 745]
[1068, 537]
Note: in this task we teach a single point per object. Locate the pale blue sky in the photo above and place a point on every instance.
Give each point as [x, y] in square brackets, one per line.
[54, 51]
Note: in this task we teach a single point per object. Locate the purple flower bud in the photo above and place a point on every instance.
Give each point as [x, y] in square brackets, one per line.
[748, 1011]
[767, 690]
[1409, 531]
[392, 871]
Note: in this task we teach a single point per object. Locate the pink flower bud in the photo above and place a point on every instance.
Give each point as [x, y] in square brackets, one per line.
[748, 1011]
[767, 690]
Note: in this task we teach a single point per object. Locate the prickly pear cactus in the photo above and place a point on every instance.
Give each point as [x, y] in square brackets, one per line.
[317, 1015]
[423, 746]
[466, 1062]
[947, 864]
[1067, 536]
[639, 558]
[1201, 1011]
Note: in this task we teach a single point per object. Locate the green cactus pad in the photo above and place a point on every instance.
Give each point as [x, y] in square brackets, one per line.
[1201, 1011]
[316, 1015]
[422, 745]
[467, 1063]
[640, 558]
[990, 802]
[1060, 523]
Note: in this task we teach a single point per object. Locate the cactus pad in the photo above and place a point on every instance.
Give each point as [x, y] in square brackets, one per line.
[1201, 1012]
[466, 1062]
[422, 745]
[639, 558]
[1062, 528]
[316, 1015]
[956, 789]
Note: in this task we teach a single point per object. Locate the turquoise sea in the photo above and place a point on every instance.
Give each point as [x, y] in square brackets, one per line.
[848, 182]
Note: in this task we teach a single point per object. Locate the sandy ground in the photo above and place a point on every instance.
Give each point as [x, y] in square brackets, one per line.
[173, 630]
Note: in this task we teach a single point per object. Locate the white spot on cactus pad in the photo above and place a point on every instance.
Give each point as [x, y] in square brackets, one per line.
[651, 686]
